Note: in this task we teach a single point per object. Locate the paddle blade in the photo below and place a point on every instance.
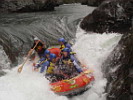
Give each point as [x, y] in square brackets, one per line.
[20, 69]
[88, 71]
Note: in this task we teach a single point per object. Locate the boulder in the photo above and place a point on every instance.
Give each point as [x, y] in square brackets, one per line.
[92, 2]
[110, 16]
[118, 70]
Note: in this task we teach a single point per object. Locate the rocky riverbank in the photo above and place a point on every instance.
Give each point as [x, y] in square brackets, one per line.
[28, 5]
[119, 71]
[71, 1]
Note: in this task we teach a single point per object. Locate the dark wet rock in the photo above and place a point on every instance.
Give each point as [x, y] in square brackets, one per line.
[92, 2]
[2, 73]
[71, 1]
[10, 48]
[28, 5]
[110, 16]
[118, 69]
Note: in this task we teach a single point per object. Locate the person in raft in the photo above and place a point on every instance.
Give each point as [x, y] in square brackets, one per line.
[68, 58]
[51, 69]
[40, 48]
[64, 44]
[43, 62]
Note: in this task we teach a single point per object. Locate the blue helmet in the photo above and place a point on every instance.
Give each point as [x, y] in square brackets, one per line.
[52, 56]
[62, 40]
[66, 50]
[47, 52]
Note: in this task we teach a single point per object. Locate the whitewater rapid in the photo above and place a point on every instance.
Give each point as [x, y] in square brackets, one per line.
[92, 49]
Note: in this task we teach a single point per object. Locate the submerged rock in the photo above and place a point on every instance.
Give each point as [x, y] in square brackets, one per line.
[118, 69]
[28, 5]
[2, 73]
[111, 15]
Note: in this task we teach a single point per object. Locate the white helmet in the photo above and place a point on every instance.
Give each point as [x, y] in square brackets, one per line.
[36, 38]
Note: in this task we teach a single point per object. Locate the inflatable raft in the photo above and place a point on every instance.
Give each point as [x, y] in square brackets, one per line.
[71, 86]
[74, 85]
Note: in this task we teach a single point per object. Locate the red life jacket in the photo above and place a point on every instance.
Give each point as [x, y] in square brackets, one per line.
[55, 51]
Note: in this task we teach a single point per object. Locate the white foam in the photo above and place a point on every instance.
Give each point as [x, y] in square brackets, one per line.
[92, 49]
[28, 85]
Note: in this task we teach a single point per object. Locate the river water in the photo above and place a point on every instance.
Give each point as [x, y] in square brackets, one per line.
[18, 29]
[16, 37]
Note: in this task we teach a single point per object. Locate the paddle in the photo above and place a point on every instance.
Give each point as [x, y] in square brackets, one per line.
[29, 54]
[85, 72]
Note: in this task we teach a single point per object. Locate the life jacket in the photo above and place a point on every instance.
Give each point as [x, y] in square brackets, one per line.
[39, 48]
[66, 60]
[50, 69]
[62, 47]
[55, 51]
[67, 66]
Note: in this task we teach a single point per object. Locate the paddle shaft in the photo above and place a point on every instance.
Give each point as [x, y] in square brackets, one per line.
[28, 56]
[85, 72]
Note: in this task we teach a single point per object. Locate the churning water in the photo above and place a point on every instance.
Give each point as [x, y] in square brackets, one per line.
[92, 49]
